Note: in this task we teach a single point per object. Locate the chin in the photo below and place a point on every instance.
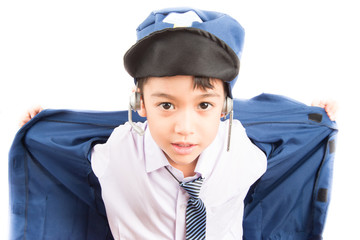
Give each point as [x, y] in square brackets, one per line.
[183, 159]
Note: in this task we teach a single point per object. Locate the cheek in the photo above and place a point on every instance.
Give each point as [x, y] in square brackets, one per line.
[158, 127]
[209, 129]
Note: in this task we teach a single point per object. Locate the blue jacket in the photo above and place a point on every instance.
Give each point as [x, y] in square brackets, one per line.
[55, 195]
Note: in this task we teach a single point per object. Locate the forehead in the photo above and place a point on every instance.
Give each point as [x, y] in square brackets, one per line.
[182, 84]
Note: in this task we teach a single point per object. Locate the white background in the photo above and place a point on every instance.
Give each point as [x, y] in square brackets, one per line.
[68, 54]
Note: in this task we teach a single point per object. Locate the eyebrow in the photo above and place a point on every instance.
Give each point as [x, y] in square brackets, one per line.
[206, 95]
[164, 95]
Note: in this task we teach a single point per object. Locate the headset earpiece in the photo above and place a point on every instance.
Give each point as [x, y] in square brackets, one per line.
[135, 101]
[135, 105]
[228, 106]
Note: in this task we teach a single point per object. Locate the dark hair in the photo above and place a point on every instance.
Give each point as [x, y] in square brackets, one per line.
[199, 82]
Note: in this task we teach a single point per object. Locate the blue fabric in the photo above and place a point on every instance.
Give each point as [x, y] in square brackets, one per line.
[233, 34]
[55, 195]
[219, 24]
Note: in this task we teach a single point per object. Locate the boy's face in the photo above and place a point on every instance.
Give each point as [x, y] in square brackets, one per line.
[183, 121]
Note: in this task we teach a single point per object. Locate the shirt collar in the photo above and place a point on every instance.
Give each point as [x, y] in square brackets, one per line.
[211, 154]
[154, 156]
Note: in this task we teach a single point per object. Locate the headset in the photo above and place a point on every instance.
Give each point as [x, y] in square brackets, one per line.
[228, 109]
[135, 105]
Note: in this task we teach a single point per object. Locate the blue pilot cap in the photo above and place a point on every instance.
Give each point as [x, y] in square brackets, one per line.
[186, 41]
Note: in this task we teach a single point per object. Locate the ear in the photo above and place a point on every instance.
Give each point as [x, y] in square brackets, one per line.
[142, 111]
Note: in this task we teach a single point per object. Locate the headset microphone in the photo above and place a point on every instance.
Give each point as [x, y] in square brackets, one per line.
[229, 132]
[228, 109]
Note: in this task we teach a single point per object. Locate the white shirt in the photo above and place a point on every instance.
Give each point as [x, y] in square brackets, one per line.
[143, 201]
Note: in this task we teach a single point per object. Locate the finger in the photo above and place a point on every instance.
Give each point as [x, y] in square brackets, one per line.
[29, 115]
[38, 109]
[315, 102]
[34, 111]
[318, 103]
[24, 120]
[331, 109]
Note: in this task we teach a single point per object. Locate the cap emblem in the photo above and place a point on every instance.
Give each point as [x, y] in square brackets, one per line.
[182, 19]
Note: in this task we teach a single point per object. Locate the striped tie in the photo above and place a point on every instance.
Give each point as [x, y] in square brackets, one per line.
[195, 211]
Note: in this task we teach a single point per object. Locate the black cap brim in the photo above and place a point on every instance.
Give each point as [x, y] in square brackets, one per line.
[182, 51]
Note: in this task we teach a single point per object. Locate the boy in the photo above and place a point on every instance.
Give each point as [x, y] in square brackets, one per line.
[184, 136]
[184, 76]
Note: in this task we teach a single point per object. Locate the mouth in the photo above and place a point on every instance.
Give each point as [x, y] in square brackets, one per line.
[183, 148]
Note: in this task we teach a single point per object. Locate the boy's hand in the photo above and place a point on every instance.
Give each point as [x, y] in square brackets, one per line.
[29, 115]
[331, 107]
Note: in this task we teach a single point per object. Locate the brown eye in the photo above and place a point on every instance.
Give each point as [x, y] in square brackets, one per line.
[204, 105]
[166, 106]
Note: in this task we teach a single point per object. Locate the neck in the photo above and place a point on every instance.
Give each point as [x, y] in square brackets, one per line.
[188, 170]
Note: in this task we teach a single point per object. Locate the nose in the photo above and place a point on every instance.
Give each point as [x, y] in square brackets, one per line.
[185, 122]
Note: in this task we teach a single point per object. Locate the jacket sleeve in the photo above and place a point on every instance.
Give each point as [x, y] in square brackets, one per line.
[290, 200]
[53, 191]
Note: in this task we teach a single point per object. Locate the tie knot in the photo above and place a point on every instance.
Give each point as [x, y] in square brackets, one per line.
[193, 187]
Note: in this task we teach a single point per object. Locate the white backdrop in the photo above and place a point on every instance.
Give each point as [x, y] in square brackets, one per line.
[68, 54]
